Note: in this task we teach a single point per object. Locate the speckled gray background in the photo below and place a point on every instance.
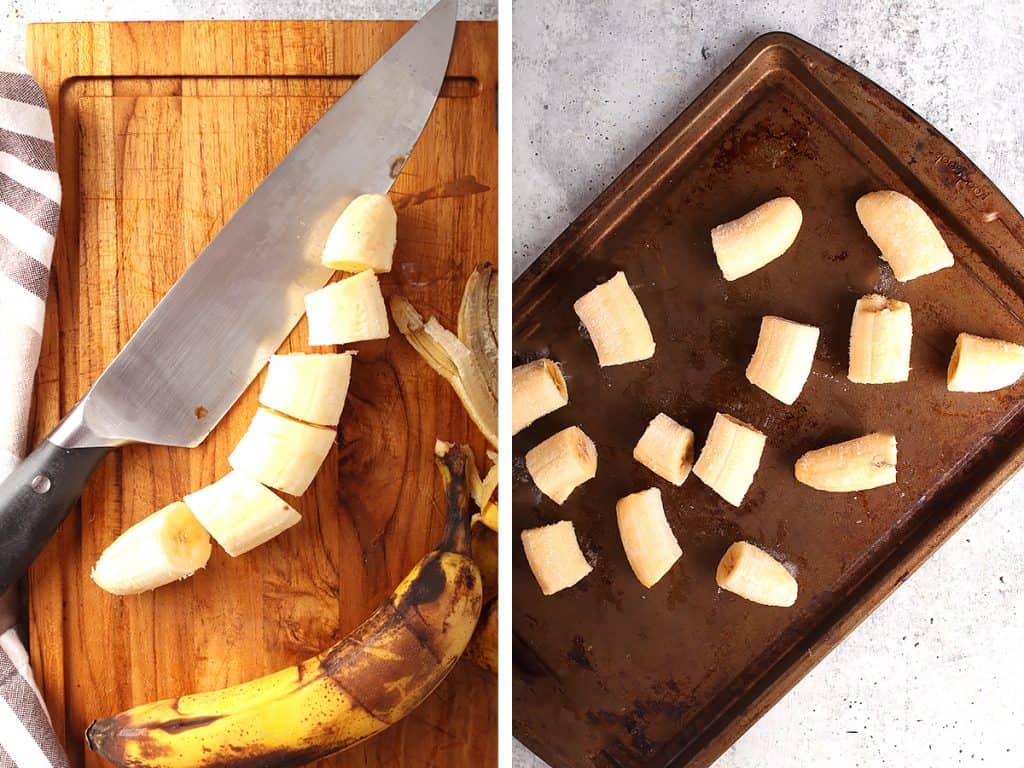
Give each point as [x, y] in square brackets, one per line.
[930, 680]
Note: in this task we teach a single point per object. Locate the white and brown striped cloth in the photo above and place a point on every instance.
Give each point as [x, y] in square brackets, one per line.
[29, 212]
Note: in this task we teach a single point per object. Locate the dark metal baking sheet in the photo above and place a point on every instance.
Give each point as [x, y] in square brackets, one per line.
[611, 674]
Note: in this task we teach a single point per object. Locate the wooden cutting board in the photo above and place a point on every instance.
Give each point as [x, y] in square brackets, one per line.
[163, 129]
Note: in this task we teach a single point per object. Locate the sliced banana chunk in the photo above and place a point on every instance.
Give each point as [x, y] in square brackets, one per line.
[907, 238]
[561, 463]
[855, 465]
[281, 452]
[555, 557]
[348, 310]
[650, 545]
[757, 238]
[167, 546]
[755, 575]
[730, 458]
[666, 448]
[240, 513]
[615, 322]
[364, 236]
[983, 365]
[880, 339]
[538, 388]
[308, 387]
[783, 358]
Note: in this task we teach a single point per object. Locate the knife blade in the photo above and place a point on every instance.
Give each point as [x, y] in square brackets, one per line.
[212, 333]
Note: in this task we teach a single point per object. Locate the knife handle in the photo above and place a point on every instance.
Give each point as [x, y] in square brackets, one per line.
[35, 499]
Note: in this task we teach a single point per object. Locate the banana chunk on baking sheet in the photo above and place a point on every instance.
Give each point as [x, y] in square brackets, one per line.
[562, 463]
[752, 573]
[730, 457]
[651, 547]
[538, 388]
[666, 448]
[903, 232]
[757, 238]
[979, 364]
[783, 358]
[615, 322]
[880, 337]
[854, 465]
[554, 555]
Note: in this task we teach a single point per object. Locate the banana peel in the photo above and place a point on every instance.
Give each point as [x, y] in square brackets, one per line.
[478, 321]
[485, 553]
[361, 685]
[469, 362]
[446, 354]
[481, 490]
[483, 648]
[489, 515]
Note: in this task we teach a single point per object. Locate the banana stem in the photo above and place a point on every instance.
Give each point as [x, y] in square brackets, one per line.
[452, 465]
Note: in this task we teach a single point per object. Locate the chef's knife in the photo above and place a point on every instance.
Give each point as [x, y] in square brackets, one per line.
[211, 334]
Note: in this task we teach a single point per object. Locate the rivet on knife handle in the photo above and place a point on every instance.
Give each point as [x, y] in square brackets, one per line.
[35, 499]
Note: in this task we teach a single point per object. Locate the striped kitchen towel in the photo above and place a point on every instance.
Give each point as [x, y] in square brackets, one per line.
[29, 212]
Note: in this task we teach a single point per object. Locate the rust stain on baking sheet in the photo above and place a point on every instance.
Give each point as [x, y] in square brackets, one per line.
[460, 187]
[578, 653]
[766, 145]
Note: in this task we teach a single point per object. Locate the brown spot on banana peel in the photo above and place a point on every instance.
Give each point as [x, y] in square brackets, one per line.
[428, 587]
[386, 667]
[453, 470]
[106, 738]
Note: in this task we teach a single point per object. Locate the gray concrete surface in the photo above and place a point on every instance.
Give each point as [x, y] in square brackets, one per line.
[931, 679]
[14, 14]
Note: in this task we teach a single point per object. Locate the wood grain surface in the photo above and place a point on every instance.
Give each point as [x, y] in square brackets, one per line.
[163, 129]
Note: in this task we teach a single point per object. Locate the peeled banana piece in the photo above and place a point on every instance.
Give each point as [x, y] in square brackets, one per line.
[757, 238]
[615, 322]
[355, 689]
[880, 339]
[783, 358]
[364, 236]
[281, 452]
[240, 513]
[983, 365]
[650, 545]
[907, 238]
[167, 546]
[855, 465]
[666, 448]
[730, 457]
[755, 575]
[538, 388]
[554, 556]
[308, 387]
[561, 463]
[349, 310]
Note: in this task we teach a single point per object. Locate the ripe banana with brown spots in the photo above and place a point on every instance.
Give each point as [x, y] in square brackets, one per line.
[355, 689]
